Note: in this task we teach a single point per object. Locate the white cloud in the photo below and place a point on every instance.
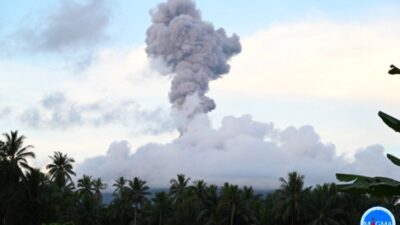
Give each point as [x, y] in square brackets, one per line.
[119, 73]
[117, 76]
[55, 111]
[241, 151]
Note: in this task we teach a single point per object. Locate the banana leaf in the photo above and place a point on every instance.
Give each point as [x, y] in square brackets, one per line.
[394, 159]
[379, 186]
[390, 121]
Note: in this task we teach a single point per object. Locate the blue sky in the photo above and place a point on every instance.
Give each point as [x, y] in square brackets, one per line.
[130, 18]
[86, 83]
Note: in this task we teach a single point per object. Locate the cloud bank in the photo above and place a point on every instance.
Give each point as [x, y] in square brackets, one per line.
[55, 111]
[241, 151]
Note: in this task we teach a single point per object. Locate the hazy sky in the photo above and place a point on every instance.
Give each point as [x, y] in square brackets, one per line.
[74, 76]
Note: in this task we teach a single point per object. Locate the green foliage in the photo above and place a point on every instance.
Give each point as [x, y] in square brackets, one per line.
[380, 186]
[325, 206]
[15, 153]
[394, 159]
[291, 199]
[390, 121]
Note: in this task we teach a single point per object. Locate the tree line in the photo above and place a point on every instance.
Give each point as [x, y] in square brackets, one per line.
[29, 196]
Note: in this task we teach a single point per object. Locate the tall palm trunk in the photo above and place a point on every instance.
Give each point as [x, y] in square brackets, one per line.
[233, 213]
[159, 221]
[294, 217]
[135, 217]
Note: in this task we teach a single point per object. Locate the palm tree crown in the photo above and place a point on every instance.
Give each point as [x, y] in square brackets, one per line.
[138, 190]
[291, 198]
[326, 207]
[119, 185]
[85, 186]
[14, 151]
[98, 185]
[178, 188]
[60, 169]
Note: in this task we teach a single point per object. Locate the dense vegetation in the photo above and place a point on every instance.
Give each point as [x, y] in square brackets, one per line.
[28, 196]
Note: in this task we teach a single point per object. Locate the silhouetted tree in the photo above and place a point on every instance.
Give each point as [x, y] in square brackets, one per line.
[15, 152]
[291, 199]
[178, 188]
[61, 169]
[138, 192]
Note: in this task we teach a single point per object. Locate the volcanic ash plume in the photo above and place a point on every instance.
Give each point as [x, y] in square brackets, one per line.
[194, 51]
[240, 151]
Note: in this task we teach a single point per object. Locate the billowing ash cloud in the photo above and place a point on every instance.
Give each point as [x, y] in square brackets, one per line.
[195, 52]
[55, 111]
[242, 151]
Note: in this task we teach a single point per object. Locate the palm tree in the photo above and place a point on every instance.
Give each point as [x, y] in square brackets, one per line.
[265, 212]
[325, 209]
[98, 185]
[178, 188]
[119, 185]
[35, 190]
[138, 190]
[207, 215]
[14, 152]
[199, 187]
[161, 206]
[13, 161]
[2, 148]
[89, 213]
[120, 209]
[85, 186]
[354, 204]
[251, 203]
[231, 201]
[186, 212]
[60, 169]
[291, 198]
